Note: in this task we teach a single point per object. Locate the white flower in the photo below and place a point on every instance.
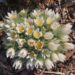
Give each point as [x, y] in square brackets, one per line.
[23, 12]
[30, 65]
[13, 25]
[10, 25]
[21, 42]
[9, 38]
[69, 46]
[12, 15]
[65, 38]
[20, 28]
[54, 57]
[36, 13]
[37, 33]
[28, 21]
[57, 16]
[62, 57]
[68, 25]
[1, 24]
[55, 40]
[7, 26]
[31, 42]
[29, 30]
[53, 46]
[66, 29]
[17, 64]
[48, 35]
[12, 35]
[50, 13]
[55, 26]
[49, 64]
[38, 64]
[49, 20]
[39, 45]
[10, 52]
[23, 53]
[39, 21]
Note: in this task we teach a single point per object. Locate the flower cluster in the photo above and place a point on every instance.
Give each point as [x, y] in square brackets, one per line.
[36, 40]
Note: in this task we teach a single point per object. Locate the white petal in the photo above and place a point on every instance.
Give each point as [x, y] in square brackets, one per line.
[23, 53]
[65, 38]
[66, 29]
[17, 64]
[48, 35]
[53, 46]
[57, 16]
[62, 57]
[55, 26]
[54, 57]
[10, 53]
[29, 65]
[49, 64]
[38, 64]
[69, 46]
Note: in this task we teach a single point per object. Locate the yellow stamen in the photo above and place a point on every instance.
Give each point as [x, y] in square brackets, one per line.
[39, 45]
[36, 34]
[29, 30]
[38, 22]
[21, 29]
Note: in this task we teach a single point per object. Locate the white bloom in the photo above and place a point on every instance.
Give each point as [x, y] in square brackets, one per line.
[52, 14]
[23, 12]
[7, 26]
[66, 29]
[17, 64]
[12, 15]
[69, 46]
[39, 45]
[29, 30]
[12, 35]
[23, 53]
[55, 40]
[62, 57]
[20, 28]
[54, 57]
[55, 26]
[31, 42]
[65, 38]
[13, 25]
[49, 12]
[53, 46]
[48, 35]
[21, 42]
[10, 25]
[57, 16]
[10, 53]
[68, 25]
[49, 20]
[38, 64]
[37, 33]
[49, 64]
[1, 24]
[39, 21]
[30, 65]
[9, 38]
[36, 13]
[28, 21]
